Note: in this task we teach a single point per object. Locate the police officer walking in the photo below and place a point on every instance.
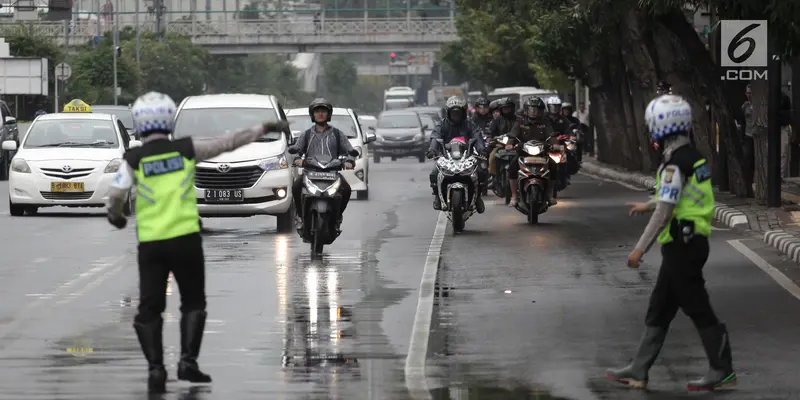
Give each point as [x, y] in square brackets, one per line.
[168, 228]
[683, 209]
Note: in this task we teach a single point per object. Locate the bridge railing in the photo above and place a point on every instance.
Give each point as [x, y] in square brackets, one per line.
[285, 31]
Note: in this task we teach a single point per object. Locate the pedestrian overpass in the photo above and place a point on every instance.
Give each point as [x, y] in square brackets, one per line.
[361, 35]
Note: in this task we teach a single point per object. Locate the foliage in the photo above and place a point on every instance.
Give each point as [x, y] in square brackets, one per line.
[24, 42]
[552, 79]
[340, 78]
[174, 66]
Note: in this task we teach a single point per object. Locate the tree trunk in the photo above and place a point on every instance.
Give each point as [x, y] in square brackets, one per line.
[687, 64]
[760, 89]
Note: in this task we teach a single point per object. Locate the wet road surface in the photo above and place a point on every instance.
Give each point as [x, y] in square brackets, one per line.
[282, 326]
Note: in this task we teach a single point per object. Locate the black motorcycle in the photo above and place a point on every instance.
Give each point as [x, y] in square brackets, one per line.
[536, 169]
[321, 200]
[502, 160]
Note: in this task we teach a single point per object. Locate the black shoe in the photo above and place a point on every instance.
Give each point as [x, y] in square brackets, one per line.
[720, 361]
[192, 325]
[635, 374]
[298, 222]
[651, 191]
[150, 339]
[437, 203]
[479, 206]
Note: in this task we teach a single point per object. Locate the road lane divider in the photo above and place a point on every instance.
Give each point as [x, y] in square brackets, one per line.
[765, 266]
[415, 376]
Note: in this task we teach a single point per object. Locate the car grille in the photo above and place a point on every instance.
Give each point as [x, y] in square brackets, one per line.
[235, 178]
[67, 195]
[404, 138]
[59, 173]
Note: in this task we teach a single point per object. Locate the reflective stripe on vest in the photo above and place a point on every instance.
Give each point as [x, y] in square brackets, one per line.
[696, 203]
[166, 206]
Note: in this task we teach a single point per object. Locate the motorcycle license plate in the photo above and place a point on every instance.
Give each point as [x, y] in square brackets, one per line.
[322, 176]
[535, 160]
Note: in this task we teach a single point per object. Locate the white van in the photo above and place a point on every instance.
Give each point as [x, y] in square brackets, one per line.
[255, 179]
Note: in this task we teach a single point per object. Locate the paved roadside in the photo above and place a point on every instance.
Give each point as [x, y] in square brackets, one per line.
[778, 227]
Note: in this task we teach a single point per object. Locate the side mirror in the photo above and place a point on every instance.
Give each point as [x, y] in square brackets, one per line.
[354, 153]
[425, 127]
[134, 143]
[370, 137]
[11, 120]
[296, 134]
[292, 150]
[371, 129]
[9, 145]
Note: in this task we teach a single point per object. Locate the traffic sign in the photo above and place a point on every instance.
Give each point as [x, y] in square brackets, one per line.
[63, 71]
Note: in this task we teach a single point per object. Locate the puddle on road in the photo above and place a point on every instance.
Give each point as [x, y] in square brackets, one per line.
[492, 393]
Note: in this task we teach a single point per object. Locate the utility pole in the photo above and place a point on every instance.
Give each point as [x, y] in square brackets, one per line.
[774, 125]
[116, 51]
[159, 9]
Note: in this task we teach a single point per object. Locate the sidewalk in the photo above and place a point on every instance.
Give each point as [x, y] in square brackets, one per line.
[778, 227]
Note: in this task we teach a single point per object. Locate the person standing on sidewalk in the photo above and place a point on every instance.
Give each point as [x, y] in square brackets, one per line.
[681, 222]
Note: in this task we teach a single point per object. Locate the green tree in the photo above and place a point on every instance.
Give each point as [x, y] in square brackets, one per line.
[258, 74]
[24, 42]
[339, 80]
[173, 66]
[93, 74]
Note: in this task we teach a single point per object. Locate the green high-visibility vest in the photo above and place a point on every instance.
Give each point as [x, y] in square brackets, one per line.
[696, 201]
[166, 206]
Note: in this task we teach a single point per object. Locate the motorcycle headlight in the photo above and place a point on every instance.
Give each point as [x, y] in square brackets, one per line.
[571, 147]
[310, 186]
[113, 166]
[19, 165]
[533, 149]
[332, 189]
[273, 163]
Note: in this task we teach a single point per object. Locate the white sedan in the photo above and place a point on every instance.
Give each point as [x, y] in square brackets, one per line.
[66, 159]
[346, 120]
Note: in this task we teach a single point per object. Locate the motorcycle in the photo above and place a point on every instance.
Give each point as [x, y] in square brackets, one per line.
[558, 153]
[503, 159]
[573, 158]
[458, 180]
[535, 177]
[321, 200]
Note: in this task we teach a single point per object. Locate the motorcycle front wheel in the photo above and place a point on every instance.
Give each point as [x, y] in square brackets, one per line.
[457, 210]
[318, 223]
[533, 205]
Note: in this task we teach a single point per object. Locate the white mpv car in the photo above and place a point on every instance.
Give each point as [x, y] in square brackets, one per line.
[66, 159]
[255, 179]
[346, 120]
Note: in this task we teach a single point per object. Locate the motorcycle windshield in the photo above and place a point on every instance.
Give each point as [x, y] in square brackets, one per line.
[322, 161]
[457, 150]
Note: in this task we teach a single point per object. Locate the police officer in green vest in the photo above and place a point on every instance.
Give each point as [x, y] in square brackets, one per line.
[683, 209]
[168, 228]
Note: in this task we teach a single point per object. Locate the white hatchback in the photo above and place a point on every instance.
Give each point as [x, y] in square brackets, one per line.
[346, 120]
[255, 179]
[66, 159]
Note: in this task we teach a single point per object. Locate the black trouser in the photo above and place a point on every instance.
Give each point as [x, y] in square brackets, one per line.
[680, 285]
[183, 256]
[297, 193]
[749, 153]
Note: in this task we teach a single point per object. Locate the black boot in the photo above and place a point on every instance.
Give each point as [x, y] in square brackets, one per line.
[479, 206]
[153, 348]
[635, 374]
[192, 325]
[720, 361]
[437, 203]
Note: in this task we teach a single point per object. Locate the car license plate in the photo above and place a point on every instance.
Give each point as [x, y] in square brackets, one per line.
[535, 160]
[64, 187]
[322, 176]
[224, 195]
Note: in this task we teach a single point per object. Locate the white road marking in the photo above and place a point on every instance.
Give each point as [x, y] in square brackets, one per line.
[25, 313]
[773, 272]
[714, 228]
[623, 184]
[416, 380]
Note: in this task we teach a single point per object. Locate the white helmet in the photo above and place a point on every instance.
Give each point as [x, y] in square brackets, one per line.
[553, 101]
[154, 112]
[455, 101]
[667, 115]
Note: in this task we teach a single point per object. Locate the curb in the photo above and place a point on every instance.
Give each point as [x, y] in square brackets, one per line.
[785, 242]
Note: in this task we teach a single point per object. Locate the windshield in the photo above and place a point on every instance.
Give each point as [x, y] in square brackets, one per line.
[428, 119]
[124, 115]
[392, 121]
[368, 123]
[212, 122]
[72, 133]
[399, 97]
[301, 123]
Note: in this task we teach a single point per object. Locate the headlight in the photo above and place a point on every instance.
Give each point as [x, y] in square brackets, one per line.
[273, 163]
[19, 165]
[533, 149]
[332, 189]
[312, 188]
[419, 136]
[113, 166]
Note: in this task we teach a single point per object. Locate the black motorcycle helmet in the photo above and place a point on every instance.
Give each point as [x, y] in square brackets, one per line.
[482, 102]
[320, 103]
[507, 103]
[494, 106]
[535, 103]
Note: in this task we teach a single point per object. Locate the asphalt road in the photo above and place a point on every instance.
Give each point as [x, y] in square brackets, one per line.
[282, 326]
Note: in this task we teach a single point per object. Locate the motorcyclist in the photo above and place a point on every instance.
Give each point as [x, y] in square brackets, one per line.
[534, 125]
[574, 123]
[456, 124]
[560, 124]
[168, 228]
[482, 117]
[494, 108]
[502, 124]
[321, 139]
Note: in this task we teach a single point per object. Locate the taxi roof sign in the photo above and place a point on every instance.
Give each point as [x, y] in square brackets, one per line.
[77, 106]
